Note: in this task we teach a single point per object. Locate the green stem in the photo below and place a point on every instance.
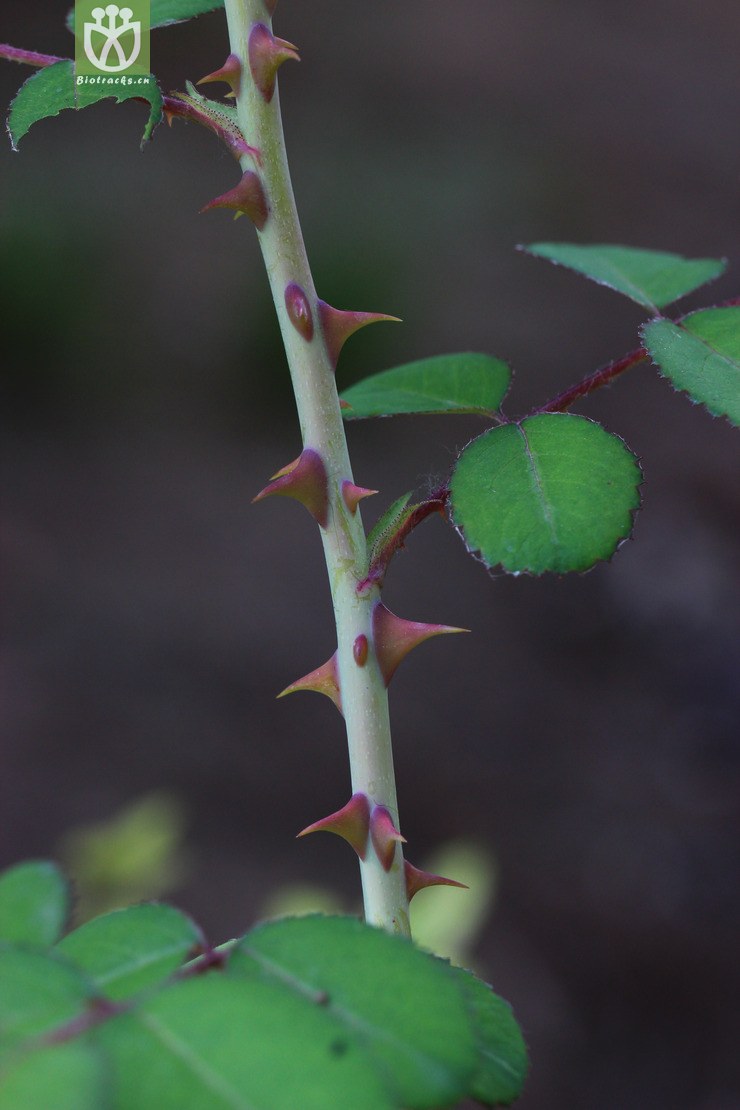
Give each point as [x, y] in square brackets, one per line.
[363, 692]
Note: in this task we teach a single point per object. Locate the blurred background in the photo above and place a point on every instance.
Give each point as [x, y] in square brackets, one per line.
[579, 749]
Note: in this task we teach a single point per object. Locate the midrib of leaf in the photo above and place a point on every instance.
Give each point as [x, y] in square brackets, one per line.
[500, 1062]
[621, 276]
[415, 395]
[196, 1064]
[538, 488]
[137, 965]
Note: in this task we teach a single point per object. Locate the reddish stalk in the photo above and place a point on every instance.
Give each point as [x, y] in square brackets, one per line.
[29, 57]
[595, 380]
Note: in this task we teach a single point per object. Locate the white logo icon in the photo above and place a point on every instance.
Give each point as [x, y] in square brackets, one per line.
[106, 34]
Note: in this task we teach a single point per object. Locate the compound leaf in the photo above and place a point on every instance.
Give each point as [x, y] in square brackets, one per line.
[462, 383]
[555, 492]
[52, 89]
[133, 949]
[412, 1022]
[164, 12]
[362, 1019]
[651, 278]
[34, 903]
[701, 356]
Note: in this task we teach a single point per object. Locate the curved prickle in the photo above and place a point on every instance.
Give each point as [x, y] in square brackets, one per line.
[338, 326]
[352, 823]
[299, 310]
[304, 480]
[384, 836]
[266, 55]
[324, 680]
[247, 199]
[417, 880]
[230, 73]
[352, 495]
[394, 638]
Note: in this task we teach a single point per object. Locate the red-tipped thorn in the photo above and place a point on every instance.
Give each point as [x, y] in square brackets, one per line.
[338, 326]
[417, 880]
[305, 480]
[266, 55]
[394, 638]
[344, 404]
[299, 310]
[352, 823]
[360, 649]
[271, 5]
[352, 495]
[230, 73]
[247, 199]
[384, 836]
[324, 680]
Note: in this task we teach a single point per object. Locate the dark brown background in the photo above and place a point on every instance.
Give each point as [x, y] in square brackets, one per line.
[586, 733]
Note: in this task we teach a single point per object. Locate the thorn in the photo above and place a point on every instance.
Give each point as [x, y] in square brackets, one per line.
[394, 638]
[384, 836]
[305, 480]
[299, 310]
[352, 495]
[344, 404]
[338, 326]
[266, 55]
[248, 198]
[360, 649]
[271, 5]
[324, 680]
[417, 880]
[230, 72]
[352, 823]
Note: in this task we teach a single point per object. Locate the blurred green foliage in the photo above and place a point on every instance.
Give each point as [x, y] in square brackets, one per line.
[136, 855]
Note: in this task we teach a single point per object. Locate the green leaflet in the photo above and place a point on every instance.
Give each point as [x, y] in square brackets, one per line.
[364, 1019]
[221, 1042]
[169, 11]
[71, 1076]
[503, 1062]
[133, 949]
[701, 356]
[52, 89]
[34, 903]
[555, 492]
[40, 992]
[416, 1032]
[653, 279]
[463, 383]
